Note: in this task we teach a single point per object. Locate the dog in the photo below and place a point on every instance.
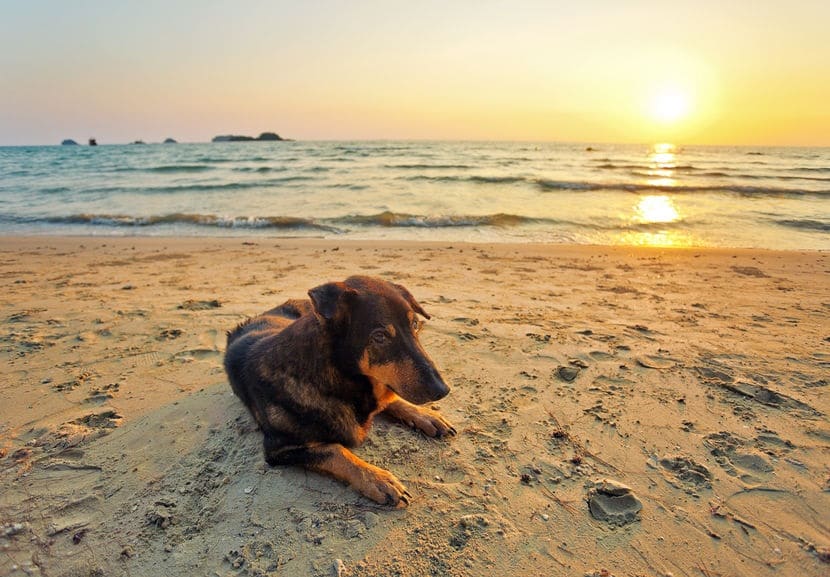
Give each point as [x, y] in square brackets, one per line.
[314, 373]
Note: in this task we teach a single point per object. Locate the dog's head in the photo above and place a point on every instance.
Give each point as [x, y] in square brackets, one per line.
[374, 326]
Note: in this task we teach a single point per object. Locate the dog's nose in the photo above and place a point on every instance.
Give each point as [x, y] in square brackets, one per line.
[438, 389]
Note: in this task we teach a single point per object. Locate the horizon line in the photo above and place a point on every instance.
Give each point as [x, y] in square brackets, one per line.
[427, 140]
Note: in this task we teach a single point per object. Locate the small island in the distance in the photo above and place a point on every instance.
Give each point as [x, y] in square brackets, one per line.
[265, 136]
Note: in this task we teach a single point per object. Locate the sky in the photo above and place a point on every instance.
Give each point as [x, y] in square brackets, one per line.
[748, 72]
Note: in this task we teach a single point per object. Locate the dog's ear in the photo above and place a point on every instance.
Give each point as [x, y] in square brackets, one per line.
[326, 298]
[411, 300]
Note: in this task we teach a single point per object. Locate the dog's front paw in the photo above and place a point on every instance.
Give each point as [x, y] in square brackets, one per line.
[431, 423]
[383, 487]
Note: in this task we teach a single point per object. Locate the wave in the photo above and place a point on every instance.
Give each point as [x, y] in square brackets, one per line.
[477, 178]
[653, 166]
[166, 169]
[260, 169]
[805, 224]
[216, 160]
[429, 166]
[201, 187]
[395, 219]
[549, 185]
[385, 219]
[649, 173]
[55, 190]
[811, 169]
[206, 220]
[743, 190]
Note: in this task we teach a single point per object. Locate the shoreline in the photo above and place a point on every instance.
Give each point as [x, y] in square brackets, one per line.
[311, 240]
[694, 376]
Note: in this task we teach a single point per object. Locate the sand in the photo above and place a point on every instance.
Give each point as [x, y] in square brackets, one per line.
[620, 411]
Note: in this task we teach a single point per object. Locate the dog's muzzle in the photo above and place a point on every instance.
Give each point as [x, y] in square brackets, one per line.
[430, 387]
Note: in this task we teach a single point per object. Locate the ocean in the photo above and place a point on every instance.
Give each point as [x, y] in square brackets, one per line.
[776, 198]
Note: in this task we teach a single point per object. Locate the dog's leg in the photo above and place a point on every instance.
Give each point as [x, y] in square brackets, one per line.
[373, 482]
[430, 422]
[337, 461]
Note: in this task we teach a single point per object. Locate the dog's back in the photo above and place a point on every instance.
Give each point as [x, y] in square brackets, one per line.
[249, 332]
[277, 318]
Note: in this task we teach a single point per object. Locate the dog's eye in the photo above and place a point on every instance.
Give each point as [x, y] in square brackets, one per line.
[416, 325]
[380, 337]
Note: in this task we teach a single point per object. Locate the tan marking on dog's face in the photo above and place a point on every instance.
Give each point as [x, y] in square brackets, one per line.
[387, 378]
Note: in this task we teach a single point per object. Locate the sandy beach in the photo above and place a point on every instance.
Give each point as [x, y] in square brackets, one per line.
[620, 411]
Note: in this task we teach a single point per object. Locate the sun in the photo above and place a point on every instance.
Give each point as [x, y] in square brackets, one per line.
[669, 104]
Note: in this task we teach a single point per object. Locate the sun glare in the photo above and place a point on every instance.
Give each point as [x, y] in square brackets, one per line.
[669, 104]
[656, 209]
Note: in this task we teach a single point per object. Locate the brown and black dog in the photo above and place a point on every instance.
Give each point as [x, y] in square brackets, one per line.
[314, 373]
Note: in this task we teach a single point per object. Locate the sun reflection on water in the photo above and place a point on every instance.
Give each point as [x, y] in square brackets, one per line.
[650, 212]
[655, 219]
[655, 209]
[663, 159]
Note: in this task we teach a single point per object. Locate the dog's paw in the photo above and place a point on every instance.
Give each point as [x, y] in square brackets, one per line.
[431, 423]
[383, 487]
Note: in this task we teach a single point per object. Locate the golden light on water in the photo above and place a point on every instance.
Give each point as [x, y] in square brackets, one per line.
[663, 156]
[663, 238]
[652, 210]
[656, 209]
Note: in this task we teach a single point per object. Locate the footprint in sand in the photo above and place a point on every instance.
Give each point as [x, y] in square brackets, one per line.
[103, 394]
[199, 305]
[80, 430]
[567, 374]
[196, 355]
[614, 503]
[466, 336]
[81, 379]
[601, 356]
[655, 362]
[169, 334]
[105, 420]
[750, 271]
[731, 453]
[213, 339]
[683, 472]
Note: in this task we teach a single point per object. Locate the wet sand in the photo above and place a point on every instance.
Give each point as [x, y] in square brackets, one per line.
[621, 411]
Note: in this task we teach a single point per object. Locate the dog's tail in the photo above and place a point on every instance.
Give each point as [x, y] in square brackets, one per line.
[237, 331]
[292, 309]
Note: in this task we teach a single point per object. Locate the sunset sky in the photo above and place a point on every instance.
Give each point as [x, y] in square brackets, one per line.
[705, 72]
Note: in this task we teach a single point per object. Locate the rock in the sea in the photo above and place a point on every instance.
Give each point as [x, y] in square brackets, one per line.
[170, 141]
[69, 142]
[232, 138]
[614, 503]
[264, 137]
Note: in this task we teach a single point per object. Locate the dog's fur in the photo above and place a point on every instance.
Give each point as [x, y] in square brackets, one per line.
[314, 373]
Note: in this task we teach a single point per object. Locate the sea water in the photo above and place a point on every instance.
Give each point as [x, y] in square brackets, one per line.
[450, 191]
